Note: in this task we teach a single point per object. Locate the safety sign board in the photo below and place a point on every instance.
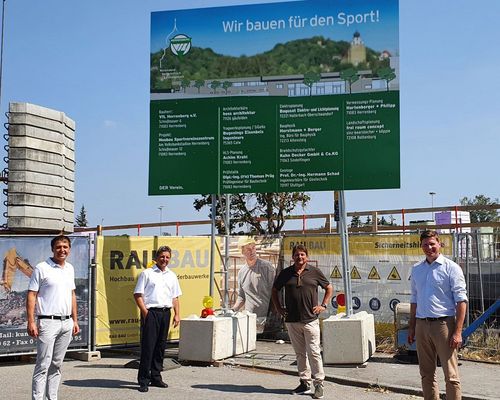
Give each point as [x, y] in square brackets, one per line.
[336, 273]
[355, 273]
[394, 275]
[373, 273]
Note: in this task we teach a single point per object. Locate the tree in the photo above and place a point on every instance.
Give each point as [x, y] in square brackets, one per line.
[198, 84]
[388, 74]
[481, 215]
[185, 83]
[368, 220]
[355, 221]
[215, 84]
[81, 219]
[383, 221]
[349, 75]
[226, 85]
[260, 213]
[310, 78]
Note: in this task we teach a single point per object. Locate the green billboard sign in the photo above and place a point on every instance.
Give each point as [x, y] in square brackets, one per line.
[307, 114]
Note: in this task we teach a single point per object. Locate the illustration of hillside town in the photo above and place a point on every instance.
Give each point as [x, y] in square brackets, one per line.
[326, 67]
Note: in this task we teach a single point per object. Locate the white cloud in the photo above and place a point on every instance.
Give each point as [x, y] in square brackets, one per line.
[109, 124]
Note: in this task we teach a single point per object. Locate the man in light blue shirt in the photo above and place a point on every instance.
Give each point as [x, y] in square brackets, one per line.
[437, 311]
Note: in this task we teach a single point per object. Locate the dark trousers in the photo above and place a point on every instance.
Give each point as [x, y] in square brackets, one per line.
[154, 331]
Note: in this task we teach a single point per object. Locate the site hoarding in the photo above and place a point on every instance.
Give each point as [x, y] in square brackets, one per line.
[20, 255]
[296, 96]
[120, 260]
[380, 267]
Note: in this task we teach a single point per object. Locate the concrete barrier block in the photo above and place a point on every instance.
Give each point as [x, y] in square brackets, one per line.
[37, 144]
[85, 355]
[244, 332]
[35, 212]
[206, 339]
[35, 166]
[38, 189]
[25, 199]
[23, 153]
[348, 340]
[37, 121]
[35, 132]
[36, 177]
[34, 110]
[38, 225]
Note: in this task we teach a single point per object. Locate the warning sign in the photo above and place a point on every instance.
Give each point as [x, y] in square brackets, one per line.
[394, 275]
[355, 273]
[373, 273]
[336, 273]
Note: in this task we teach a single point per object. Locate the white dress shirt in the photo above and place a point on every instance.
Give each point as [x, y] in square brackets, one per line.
[158, 287]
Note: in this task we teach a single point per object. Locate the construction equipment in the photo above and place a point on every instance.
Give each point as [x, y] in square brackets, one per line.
[11, 263]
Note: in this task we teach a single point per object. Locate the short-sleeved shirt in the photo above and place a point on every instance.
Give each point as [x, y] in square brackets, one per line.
[301, 294]
[158, 287]
[55, 285]
[255, 284]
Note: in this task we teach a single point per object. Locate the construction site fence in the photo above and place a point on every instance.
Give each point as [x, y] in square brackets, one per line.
[380, 271]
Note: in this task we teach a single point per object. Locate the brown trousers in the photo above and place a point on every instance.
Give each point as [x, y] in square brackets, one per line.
[433, 340]
[306, 343]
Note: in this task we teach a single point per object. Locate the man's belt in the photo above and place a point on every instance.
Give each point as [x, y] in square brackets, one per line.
[61, 317]
[433, 318]
[158, 308]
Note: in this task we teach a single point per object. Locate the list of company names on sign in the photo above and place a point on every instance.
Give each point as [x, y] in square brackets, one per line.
[274, 144]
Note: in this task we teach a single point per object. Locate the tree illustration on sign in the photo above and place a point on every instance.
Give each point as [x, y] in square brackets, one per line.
[226, 85]
[214, 85]
[185, 83]
[388, 74]
[310, 78]
[349, 75]
[198, 84]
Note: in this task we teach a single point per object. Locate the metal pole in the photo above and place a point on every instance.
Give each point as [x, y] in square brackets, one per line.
[479, 270]
[161, 217]
[467, 274]
[1, 50]
[212, 245]
[432, 203]
[344, 236]
[93, 296]
[226, 252]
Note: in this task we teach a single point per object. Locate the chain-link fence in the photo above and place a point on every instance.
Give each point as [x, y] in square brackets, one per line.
[478, 254]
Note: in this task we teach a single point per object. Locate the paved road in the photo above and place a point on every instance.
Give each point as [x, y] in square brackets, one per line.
[109, 379]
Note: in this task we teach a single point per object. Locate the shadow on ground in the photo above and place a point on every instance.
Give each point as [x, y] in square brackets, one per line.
[101, 383]
[242, 389]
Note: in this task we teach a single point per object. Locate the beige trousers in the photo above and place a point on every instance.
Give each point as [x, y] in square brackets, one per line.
[433, 338]
[305, 340]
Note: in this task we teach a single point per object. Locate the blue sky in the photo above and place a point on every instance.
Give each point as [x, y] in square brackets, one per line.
[206, 26]
[91, 60]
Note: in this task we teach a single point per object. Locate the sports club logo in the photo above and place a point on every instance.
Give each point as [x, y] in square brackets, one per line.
[180, 45]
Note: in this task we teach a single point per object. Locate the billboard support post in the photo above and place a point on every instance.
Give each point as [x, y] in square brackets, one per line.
[344, 236]
[227, 222]
[212, 246]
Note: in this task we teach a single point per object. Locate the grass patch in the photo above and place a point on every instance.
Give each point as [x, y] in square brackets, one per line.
[483, 346]
[384, 337]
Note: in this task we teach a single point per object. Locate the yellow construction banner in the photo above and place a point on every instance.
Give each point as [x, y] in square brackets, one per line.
[380, 266]
[121, 259]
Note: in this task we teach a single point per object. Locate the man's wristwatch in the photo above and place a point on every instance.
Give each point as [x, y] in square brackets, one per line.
[323, 305]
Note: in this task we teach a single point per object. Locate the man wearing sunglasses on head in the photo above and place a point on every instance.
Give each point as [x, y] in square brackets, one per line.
[301, 282]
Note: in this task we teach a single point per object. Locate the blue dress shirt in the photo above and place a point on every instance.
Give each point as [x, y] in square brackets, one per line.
[436, 288]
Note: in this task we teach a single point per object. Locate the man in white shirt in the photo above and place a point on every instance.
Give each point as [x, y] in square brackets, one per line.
[438, 304]
[156, 293]
[52, 292]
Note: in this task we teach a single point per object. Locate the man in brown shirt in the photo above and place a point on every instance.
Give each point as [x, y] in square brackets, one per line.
[301, 282]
